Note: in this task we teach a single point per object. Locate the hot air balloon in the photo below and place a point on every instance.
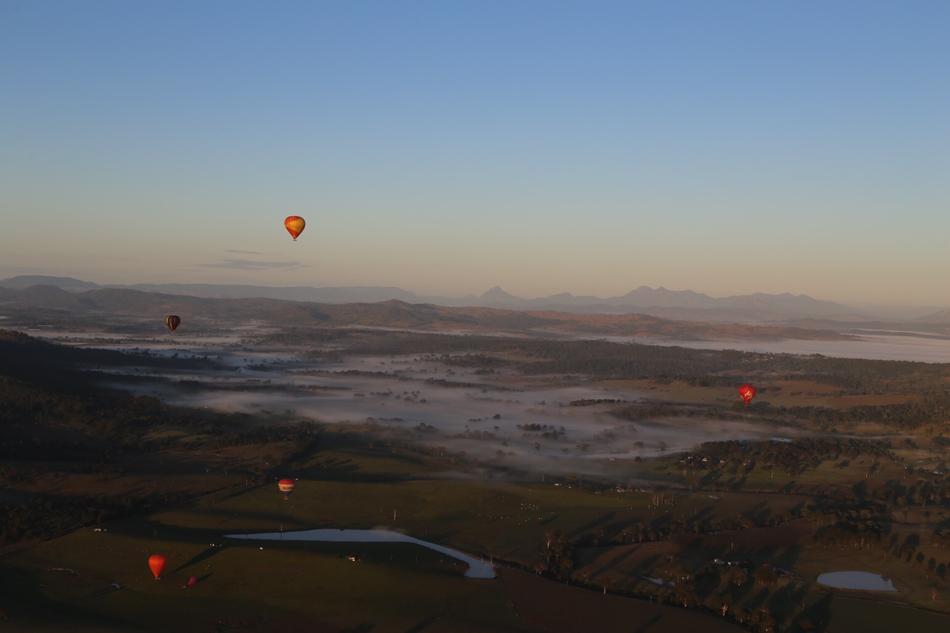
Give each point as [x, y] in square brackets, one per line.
[294, 225]
[192, 581]
[286, 486]
[172, 321]
[747, 392]
[156, 562]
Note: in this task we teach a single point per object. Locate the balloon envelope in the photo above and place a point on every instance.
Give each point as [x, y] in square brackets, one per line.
[294, 225]
[747, 392]
[172, 321]
[192, 581]
[156, 562]
[286, 485]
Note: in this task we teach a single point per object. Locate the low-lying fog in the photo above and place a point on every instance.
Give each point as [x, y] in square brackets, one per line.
[505, 420]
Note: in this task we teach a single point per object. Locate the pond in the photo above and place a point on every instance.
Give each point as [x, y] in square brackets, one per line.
[863, 580]
[477, 568]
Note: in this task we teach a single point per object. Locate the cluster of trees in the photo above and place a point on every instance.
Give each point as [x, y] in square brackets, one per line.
[557, 556]
[931, 407]
[40, 516]
[547, 431]
[909, 550]
[934, 490]
[459, 384]
[760, 597]
[664, 528]
[476, 360]
[870, 527]
[589, 402]
[853, 532]
[793, 457]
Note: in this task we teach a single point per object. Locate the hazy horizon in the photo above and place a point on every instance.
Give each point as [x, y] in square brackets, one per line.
[726, 149]
[4, 274]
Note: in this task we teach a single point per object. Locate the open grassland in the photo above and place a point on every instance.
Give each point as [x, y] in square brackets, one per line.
[560, 608]
[865, 615]
[394, 587]
[504, 519]
[363, 487]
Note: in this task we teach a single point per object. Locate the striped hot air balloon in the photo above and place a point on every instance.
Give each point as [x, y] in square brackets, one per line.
[172, 321]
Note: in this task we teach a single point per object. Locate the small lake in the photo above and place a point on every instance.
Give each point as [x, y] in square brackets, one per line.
[862, 580]
[477, 568]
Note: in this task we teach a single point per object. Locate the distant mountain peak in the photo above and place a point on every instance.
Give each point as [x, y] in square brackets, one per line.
[941, 316]
[497, 293]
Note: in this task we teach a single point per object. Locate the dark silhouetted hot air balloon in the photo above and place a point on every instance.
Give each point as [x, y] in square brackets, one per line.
[286, 486]
[172, 321]
[156, 562]
[747, 392]
[294, 225]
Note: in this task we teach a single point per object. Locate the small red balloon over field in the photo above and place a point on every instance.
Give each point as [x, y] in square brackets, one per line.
[286, 486]
[747, 392]
[156, 562]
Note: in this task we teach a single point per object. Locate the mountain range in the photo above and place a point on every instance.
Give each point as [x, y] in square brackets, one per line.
[123, 308]
[661, 302]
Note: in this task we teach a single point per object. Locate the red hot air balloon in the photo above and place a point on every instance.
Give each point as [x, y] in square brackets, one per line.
[192, 581]
[156, 562]
[294, 225]
[172, 321]
[747, 392]
[286, 486]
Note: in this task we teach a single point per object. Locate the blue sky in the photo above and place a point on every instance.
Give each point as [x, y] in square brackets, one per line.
[451, 146]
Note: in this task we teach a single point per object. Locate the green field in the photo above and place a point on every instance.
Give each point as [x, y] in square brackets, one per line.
[264, 586]
[248, 586]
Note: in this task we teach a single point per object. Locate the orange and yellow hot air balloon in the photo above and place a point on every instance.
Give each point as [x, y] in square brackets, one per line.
[294, 225]
[747, 392]
[156, 562]
[286, 486]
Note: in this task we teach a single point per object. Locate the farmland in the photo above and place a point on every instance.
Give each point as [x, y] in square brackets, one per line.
[621, 497]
